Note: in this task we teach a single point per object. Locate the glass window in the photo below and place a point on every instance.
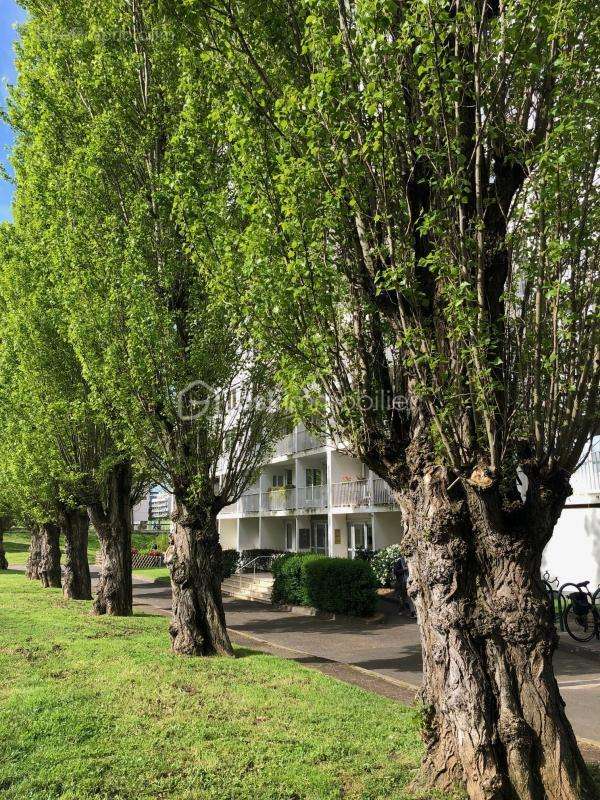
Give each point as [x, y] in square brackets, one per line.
[304, 539]
[314, 476]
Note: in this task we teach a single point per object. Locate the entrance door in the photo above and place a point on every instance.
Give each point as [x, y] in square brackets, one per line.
[318, 537]
[360, 537]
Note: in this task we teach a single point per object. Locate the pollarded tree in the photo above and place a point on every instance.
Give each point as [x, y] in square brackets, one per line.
[419, 181]
[129, 163]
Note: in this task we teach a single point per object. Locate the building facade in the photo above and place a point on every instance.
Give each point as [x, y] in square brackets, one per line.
[312, 497]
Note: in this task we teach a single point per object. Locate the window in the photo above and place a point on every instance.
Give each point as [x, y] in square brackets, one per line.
[290, 536]
[304, 539]
[314, 476]
[283, 480]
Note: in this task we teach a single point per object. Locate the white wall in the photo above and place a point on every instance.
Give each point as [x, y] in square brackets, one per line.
[387, 528]
[573, 553]
[272, 533]
[248, 533]
[228, 534]
[140, 511]
[338, 522]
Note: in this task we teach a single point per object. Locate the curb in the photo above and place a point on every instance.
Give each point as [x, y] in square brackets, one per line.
[368, 672]
[310, 611]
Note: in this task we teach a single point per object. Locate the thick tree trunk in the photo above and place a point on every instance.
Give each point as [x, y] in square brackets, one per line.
[195, 560]
[74, 525]
[5, 523]
[494, 717]
[114, 595]
[35, 554]
[3, 559]
[50, 555]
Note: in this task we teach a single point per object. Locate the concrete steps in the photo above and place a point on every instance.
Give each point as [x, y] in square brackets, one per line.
[247, 586]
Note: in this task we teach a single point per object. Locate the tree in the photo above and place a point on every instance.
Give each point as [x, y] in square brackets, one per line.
[413, 254]
[125, 167]
[5, 523]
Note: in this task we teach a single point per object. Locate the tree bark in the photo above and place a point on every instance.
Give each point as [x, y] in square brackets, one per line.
[112, 522]
[5, 523]
[74, 525]
[195, 558]
[3, 559]
[494, 716]
[35, 554]
[50, 555]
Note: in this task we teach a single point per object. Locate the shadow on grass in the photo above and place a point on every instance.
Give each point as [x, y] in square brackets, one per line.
[11, 571]
[16, 547]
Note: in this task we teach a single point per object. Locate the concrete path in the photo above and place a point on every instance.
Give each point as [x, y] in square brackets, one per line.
[390, 650]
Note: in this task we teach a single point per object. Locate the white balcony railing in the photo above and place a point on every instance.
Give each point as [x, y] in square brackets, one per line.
[229, 510]
[286, 446]
[351, 493]
[587, 478]
[312, 497]
[280, 499]
[382, 494]
[250, 503]
[306, 441]
[362, 493]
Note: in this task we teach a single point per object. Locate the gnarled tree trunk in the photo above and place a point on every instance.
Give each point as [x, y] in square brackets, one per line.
[3, 559]
[112, 522]
[5, 523]
[49, 570]
[195, 561]
[74, 525]
[494, 717]
[35, 553]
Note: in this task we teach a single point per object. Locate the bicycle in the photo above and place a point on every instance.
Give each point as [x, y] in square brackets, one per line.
[552, 590]
[581, 613]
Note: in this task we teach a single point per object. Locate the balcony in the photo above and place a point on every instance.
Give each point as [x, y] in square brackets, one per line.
[351, 493]
[285, 446]
[382, 494]
[250, 503]
[361, 494]
[587, 478]
[280, 499]
[312, 497]
[306, 441]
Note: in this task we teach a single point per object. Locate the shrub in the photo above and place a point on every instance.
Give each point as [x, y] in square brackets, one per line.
[337, 585]
[341, 585]
[289, 584]
[384, 564]
[230, 561]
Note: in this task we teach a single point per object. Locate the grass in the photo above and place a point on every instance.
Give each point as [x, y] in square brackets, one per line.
[16, 545]
[97, 709]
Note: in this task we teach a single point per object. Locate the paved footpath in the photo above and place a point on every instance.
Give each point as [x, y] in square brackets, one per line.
[386, 654]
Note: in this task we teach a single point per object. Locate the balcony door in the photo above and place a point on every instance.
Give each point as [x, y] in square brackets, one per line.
[313, 539]
[360, 537]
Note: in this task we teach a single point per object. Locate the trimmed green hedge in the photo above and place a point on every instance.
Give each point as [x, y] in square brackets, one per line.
[336, 585]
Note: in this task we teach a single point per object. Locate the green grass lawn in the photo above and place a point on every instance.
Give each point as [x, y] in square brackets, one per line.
[16, 544]
[98, 708]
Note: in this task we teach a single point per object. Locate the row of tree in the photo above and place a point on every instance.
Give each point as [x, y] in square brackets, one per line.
[385, 211]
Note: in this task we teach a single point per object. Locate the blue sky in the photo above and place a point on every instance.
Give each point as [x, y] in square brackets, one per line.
[9, 14]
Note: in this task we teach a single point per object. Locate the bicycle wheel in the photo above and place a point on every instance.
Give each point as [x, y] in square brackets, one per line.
[580, 622]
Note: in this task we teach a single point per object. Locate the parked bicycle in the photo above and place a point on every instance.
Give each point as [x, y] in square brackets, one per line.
[581, 611]
[555, 604]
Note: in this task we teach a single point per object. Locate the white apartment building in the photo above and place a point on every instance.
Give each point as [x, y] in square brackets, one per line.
[312, 497]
